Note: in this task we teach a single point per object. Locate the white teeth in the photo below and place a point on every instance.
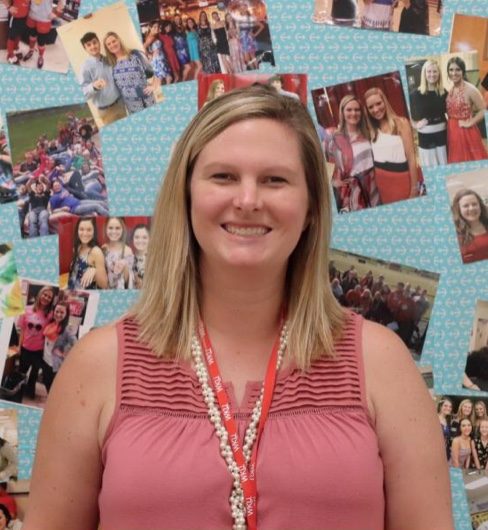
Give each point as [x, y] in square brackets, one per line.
[246, 231]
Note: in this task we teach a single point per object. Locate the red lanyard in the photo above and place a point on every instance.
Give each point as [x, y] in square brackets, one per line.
[247, 473]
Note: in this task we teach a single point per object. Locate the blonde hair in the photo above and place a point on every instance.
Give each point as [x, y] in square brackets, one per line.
[391, 116]
[423, 87]
[459, 413]
[212, 89]
[168, 307]
[112, 60]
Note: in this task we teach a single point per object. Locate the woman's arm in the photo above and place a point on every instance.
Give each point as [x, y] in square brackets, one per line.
[477, 105]
[405, 131]
[67, 472]
[99, 265]
[410, 441]
[475, 455]
[455, 453]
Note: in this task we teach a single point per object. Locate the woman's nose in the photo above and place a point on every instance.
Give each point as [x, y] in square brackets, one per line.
[248, 195]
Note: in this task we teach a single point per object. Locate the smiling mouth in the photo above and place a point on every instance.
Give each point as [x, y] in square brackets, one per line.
[246, 231]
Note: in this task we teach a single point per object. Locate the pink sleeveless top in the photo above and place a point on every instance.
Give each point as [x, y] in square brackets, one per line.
[318, 463]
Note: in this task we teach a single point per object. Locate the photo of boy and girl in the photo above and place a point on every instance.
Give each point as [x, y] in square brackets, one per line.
[368, 142]
[58, 169]
[114, 73]
[183, 38]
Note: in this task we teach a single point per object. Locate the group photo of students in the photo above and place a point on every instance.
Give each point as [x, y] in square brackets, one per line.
[368, 142]
[103, 252]
[396, 296]
[39, 340]
[447, 108]
[183, 39]
[57, 167]
[420, 17]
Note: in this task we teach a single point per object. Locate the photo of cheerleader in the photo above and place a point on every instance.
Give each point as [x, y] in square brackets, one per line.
[468, 193]
[57, 167]
[383, 292]
[218, 37]
[103, 252]
[420, 17]
[32, 33]
[368, 142]
[52, 327]
[476, 371]
[428, 112]
[211, 86]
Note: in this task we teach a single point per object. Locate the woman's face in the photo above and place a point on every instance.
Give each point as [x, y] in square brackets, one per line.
[219, 89]
[455, 73]
[114, 230]
[191, 24]
[154, 29]
[467, 408]
[85, 232]
[141, 240]
[469, 208]
[46, 297]
[352, 113]
[484, 428]
[479, 410]
[249, 212]
[177, 20]
[113, 44]
[376, 107]
[59, 313]
[466, 427]
[446, 408]
[432, 74]
[203, 18]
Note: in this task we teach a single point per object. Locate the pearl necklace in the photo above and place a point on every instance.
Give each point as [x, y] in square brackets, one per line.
[237, 497]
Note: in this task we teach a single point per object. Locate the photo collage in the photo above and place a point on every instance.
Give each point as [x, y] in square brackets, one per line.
[402, 140]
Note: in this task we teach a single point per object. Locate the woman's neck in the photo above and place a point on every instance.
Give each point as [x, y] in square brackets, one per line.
[245, 306]
[115, 245]
[431, 87]
[352, 130]
[477, 228]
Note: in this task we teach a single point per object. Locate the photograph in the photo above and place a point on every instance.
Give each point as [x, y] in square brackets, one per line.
[57, 167]
[418, 17]
[476, 371]
[34, 346]
[8, 192]
[471, 33]
[447, 108]
[103, 252]
[396, 296]
[464, 424]
[476, 488]
[11, 303]
[183, 38]
[107, 56]
[29, 32]
[468, 199]
[368, 142]
[212, 86]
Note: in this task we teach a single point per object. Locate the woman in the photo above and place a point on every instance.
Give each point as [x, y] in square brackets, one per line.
[465, 410]
[168, 42]
[479, 415]
[31, 339]
[215, 90]
[223, 50]
[207, 48]
[444, 411]
[52, 332]
[479, 446]
[471, 221]
[349, 148]
[154, 48]
[181, 46]
[140, 242]
[249, 28]
[234, 40]
[396, 169]
[240, 241]
[87, 268]
[428, 109]
[193, 45]
[119, 258]
[461, 446]
[378, 14]
[465, 109]
[131, 72]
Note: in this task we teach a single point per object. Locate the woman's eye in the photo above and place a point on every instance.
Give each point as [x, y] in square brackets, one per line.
[223, 177]
[275, 179]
